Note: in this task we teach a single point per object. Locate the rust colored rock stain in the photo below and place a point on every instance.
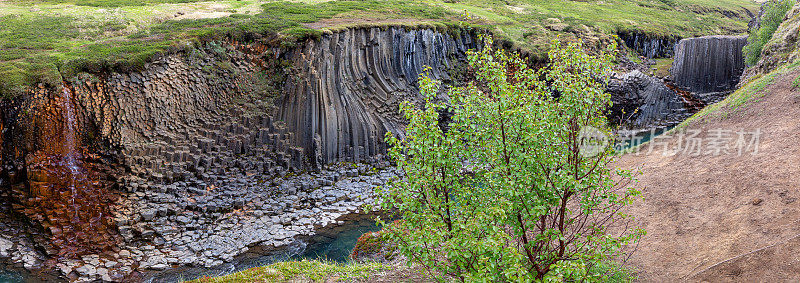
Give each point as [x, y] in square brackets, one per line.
[66, 195]
[691, 102]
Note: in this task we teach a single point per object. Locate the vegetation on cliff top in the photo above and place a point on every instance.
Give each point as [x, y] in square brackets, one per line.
[41, 40]
[774, 13]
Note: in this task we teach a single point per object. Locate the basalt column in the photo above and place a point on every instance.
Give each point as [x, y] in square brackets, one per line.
[346, 94]
[649, 46]
[708, 64]
[66, 192]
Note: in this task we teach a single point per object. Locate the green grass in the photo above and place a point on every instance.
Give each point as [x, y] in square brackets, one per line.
[305, 270]
[42, 40]
[613, 272]
[42, 47]
[796, 83]
[662, 66]
[773, 17]
[525, 22]
[106, 3]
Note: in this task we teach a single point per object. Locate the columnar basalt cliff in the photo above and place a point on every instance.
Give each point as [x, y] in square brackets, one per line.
[708, 64]
[642, 102]
[650, 46]
[197, 144]
[352, 83]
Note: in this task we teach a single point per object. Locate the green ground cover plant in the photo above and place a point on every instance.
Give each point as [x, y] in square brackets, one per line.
[773, 17]
[42, 40]
[301, 271]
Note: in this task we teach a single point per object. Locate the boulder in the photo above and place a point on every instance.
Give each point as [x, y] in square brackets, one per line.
[5, 247]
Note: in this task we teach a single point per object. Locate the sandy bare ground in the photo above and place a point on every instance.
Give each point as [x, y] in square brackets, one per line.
[725, 218]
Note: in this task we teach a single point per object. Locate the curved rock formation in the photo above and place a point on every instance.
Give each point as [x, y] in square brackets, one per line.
[351, 84]
[641, 101]
[708, 64]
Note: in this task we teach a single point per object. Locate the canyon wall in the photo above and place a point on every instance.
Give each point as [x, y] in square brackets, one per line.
[229, 148]
[708, 64]
[350, 86]
[649, 46]
[252, 108]
[198, 144]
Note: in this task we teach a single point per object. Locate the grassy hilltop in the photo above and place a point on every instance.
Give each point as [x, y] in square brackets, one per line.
[41, 40]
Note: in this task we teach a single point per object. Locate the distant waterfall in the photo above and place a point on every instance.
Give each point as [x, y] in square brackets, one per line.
[69, 130]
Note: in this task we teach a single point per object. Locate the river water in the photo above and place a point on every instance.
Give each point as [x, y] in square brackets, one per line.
[332, 245]
[628, 141]
[10, 277]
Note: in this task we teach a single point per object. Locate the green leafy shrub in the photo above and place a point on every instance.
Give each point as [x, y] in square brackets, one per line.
[505, 192]
[773, 17]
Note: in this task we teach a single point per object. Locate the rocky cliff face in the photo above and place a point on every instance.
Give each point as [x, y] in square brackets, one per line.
[350, 85]
[198, 144]
[708, 64]
[641, 102]
[649, 46]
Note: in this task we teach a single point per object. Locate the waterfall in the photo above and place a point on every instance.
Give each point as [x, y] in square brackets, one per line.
[70, 161]
[69, 130]
[68, 193]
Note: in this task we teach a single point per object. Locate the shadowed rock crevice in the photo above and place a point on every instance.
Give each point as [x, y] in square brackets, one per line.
[649, 46]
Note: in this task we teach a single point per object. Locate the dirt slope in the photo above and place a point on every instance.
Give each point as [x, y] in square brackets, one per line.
[703, 210]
